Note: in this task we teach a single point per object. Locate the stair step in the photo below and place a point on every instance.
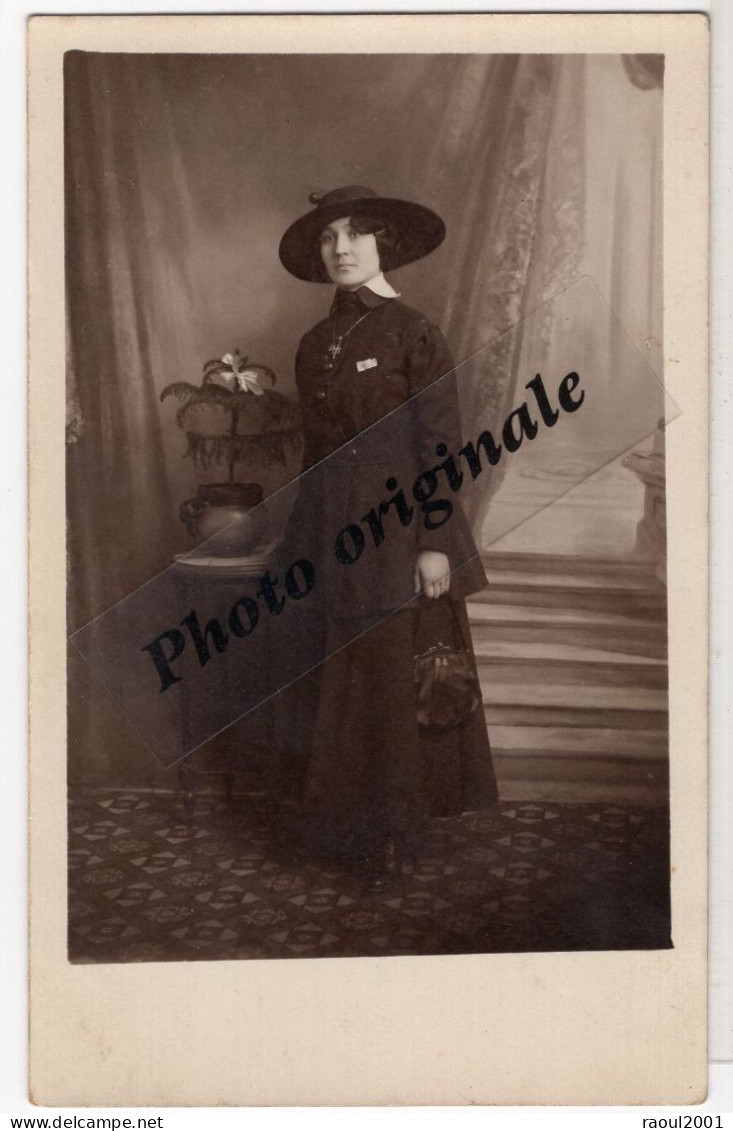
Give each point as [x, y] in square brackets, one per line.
[602, 773]
[509, 767]
[600, 579]
[651, 794]
[522, 714]
[645, 603]
[651, 645]
[527, 624]
[562, 696]
[580, 743]
[572, 660]
[579, 676]
[493, 649]
[639, 568]
[482, 612]
[504, 662]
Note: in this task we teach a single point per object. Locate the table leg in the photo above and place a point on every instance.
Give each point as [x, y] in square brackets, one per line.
[187, 779]
[229, 788]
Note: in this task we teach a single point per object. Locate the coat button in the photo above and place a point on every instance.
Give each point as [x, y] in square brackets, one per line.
[321, 394]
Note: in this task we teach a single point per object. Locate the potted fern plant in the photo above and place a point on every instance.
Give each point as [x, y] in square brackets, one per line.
[231, 419]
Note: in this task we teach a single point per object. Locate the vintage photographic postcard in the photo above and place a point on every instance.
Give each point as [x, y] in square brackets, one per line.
[368, 559]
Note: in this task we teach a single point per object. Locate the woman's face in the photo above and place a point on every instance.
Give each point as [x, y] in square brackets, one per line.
[351, 258]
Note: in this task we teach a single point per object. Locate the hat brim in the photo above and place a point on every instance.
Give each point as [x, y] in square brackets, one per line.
[419, 231]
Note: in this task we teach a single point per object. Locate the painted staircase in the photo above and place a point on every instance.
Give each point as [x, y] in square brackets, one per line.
[572, 656]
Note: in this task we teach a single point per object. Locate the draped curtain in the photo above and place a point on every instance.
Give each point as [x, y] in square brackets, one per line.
[117, 477]
[509, 148]
[181, 174]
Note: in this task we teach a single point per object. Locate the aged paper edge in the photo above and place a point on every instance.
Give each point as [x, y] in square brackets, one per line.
[438, 1030]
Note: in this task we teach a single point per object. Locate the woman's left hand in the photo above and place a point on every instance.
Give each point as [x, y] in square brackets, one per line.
[432, 573]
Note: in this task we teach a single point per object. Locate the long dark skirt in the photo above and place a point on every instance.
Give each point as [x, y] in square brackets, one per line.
[371, 771]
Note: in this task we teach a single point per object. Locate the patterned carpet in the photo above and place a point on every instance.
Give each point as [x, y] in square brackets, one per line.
[146, 886]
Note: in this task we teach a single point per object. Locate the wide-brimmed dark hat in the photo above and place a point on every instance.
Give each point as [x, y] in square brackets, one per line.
[417, 229]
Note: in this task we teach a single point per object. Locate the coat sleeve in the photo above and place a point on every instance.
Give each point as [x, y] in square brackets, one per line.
[436, 421]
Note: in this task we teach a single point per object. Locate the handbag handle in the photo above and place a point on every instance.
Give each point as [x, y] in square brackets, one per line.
[459, 625]
[463, 643]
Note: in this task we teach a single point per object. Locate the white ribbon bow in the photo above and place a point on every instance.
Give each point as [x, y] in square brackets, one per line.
[247, 379]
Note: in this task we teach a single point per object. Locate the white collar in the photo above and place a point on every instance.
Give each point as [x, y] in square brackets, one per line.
[381, 287]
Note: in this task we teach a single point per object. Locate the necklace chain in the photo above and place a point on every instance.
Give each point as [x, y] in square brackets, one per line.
[334, 350]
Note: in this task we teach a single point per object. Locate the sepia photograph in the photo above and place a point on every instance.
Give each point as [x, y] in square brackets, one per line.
[266, 258]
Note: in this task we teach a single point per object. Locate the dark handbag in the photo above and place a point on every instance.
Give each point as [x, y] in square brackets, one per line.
[447, 690]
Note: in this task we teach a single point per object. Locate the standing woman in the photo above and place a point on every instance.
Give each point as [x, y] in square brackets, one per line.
[375, 768]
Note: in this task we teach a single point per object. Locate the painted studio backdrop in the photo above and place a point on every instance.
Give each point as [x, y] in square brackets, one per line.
[183, 171]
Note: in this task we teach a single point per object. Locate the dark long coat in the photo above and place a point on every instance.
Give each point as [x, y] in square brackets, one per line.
[370, 770]
[394, 367]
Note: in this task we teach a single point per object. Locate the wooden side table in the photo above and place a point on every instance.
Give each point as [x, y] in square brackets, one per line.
[233, 751]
